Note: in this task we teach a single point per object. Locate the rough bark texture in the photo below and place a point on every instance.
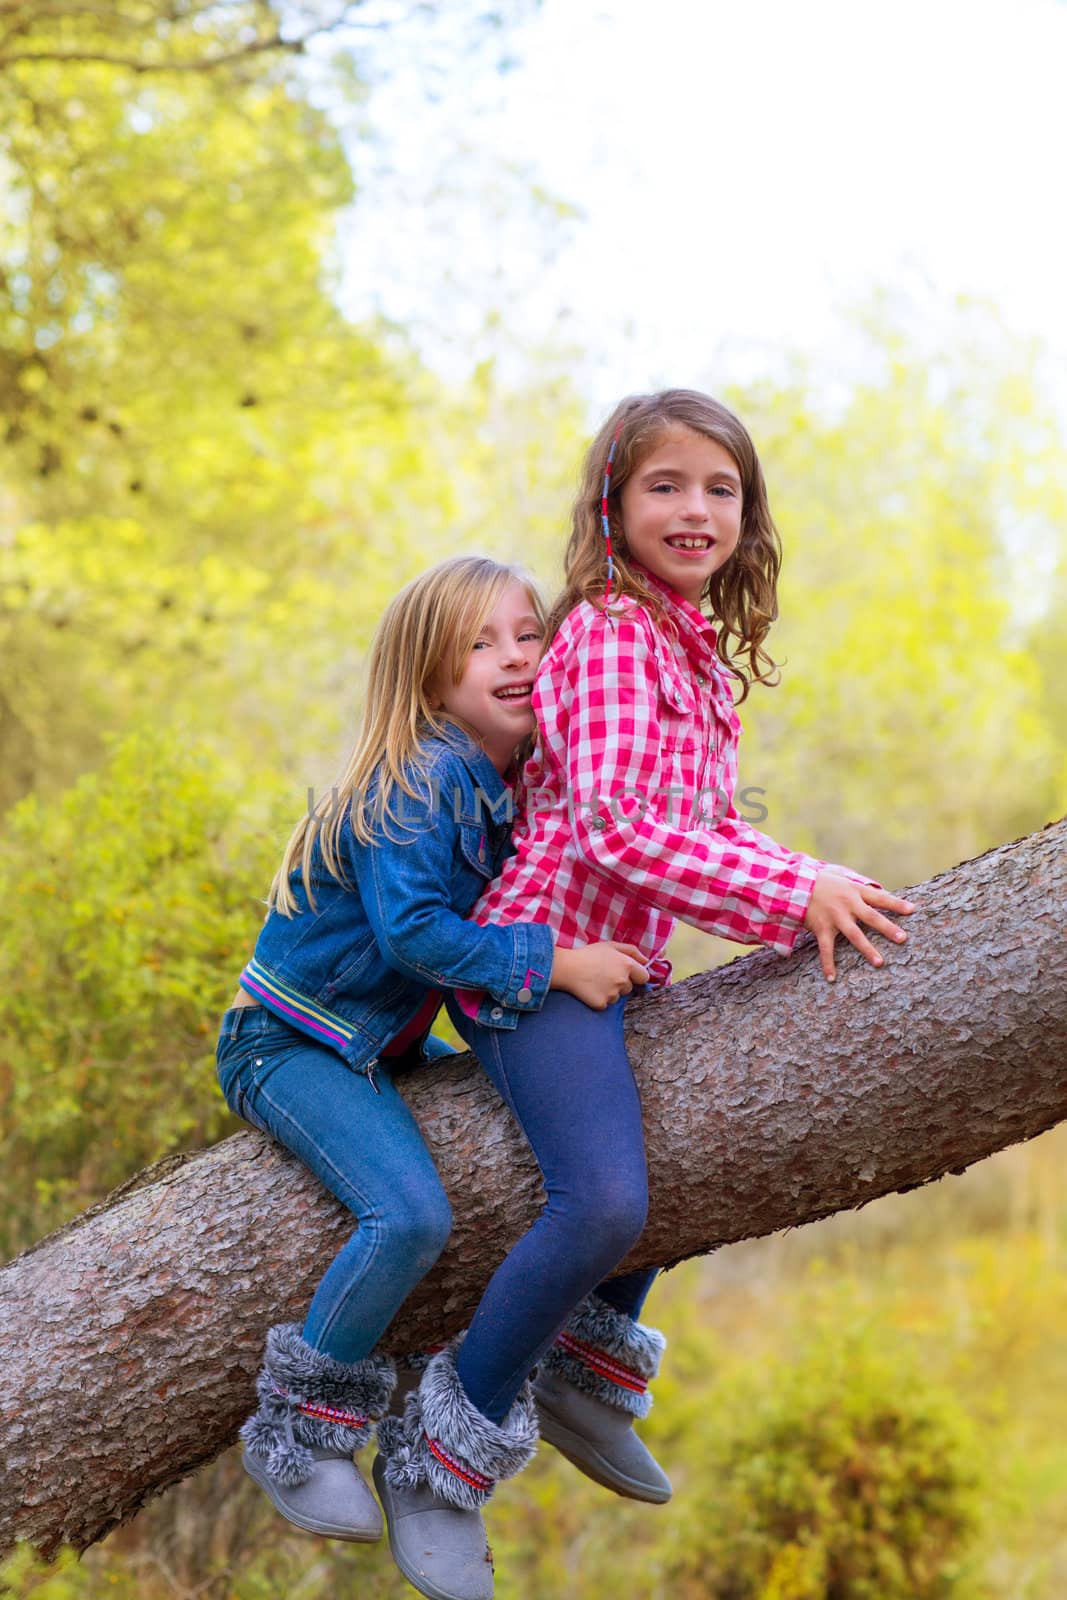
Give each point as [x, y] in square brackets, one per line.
[130, 1339]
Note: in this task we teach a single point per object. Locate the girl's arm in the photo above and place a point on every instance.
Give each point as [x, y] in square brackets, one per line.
[738, 831]
[405, 890]
[721, 881]
[840, 902]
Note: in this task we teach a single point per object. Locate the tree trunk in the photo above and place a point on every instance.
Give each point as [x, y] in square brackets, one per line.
[130, 1338]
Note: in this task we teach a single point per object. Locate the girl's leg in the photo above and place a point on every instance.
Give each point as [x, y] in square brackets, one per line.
[472, 1421]
[558, 1071]
[565, 1076]
[322, 1388]
[366, 1148]
[629, 1291]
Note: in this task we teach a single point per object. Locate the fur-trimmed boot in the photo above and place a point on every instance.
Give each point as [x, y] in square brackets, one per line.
[313, 1413]
[590, 1388]
[437, 1466]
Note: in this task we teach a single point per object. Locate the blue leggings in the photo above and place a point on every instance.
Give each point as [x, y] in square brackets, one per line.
[564, 1074]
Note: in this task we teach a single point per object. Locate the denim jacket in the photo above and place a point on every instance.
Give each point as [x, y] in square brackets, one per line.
[356, 970]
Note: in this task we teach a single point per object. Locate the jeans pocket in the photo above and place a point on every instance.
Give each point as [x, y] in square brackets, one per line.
[236, 1072]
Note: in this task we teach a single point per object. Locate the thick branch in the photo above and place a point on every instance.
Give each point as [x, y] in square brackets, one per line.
[130, 1339]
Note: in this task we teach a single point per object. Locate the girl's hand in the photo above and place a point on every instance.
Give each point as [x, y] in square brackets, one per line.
[598, 974]
[839, 905]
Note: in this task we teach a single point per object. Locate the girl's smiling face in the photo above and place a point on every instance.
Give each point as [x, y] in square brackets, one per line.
[493, 695]
[681, 510]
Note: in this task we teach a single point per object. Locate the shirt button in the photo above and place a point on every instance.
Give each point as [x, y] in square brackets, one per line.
[598, 822]
[701, 679]
[496, 1013]
[524, 995]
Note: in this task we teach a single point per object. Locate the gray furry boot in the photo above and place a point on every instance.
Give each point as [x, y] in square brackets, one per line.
[436, 1467]
[591, 1386]
[313, 1413]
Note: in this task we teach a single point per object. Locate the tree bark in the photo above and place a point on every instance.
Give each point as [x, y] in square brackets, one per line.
[130, 1338]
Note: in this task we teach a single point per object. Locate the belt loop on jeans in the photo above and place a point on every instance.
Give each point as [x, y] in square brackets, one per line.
[238, 1022]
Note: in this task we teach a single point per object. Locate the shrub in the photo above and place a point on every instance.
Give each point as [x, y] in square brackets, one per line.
[838, 1472]
[130, 904]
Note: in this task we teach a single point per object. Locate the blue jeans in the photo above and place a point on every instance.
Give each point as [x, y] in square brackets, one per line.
[565, 1077]
[366, 1148]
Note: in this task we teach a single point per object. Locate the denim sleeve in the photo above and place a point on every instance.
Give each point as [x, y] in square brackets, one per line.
[407, 888]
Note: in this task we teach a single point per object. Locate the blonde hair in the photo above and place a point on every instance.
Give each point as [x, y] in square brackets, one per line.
[743, 593]
[423, 640]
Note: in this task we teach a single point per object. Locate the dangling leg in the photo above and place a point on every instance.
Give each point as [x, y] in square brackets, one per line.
[323, 1385]
[593, 1385]
[565, 1077]
[436, 1467]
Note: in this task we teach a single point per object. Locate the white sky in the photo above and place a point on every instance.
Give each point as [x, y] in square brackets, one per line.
[745, 171]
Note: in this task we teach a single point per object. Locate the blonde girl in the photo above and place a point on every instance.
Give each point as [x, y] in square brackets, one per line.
[365, 929]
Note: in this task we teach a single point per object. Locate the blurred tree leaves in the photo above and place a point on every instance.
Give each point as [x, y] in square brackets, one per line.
[151, 36]
[132, 903]
[915, 728]
[198, 453]
[168, 353]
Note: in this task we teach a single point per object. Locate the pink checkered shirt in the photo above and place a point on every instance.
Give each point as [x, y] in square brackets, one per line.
[625, 818]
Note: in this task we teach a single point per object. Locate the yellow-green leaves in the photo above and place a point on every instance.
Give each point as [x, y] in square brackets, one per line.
[130, 906]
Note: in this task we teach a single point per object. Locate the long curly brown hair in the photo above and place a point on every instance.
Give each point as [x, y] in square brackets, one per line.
[741, 596]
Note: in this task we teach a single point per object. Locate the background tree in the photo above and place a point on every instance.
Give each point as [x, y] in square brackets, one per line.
[185, 412]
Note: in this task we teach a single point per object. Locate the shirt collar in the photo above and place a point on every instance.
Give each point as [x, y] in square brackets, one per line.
[697, 632]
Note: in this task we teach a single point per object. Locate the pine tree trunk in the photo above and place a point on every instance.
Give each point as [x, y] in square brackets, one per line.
[130, 1338]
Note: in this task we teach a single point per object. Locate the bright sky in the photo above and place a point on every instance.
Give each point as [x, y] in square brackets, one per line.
[744, 172]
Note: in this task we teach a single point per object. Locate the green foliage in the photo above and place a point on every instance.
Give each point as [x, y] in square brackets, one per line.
[182, 405]
[1048, 641]
[133, 251]
[841, 1470]
[24, 1574]
[912, 730]
[131, 904]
